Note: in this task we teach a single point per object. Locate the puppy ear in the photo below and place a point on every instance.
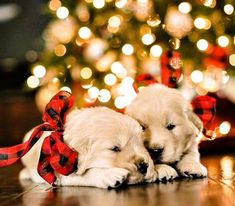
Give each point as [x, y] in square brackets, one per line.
[84, 160]
[195, 120]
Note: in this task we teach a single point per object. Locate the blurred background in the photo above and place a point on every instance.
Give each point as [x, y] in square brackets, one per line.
[98, 48]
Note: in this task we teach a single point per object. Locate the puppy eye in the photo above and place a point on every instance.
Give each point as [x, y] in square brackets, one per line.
[116, 149]
[143, 127]
[170, 126]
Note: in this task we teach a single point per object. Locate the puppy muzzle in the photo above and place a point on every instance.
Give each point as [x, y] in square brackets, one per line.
[155, 154]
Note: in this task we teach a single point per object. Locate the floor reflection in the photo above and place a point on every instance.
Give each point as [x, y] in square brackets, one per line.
[216, 190]
[177, 193]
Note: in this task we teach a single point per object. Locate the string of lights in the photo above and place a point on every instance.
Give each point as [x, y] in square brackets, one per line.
[96, 48]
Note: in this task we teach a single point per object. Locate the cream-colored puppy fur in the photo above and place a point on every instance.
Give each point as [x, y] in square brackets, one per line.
[95, 133]
[171, 129]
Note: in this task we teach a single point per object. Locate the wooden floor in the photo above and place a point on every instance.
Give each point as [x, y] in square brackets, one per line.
[216, 190]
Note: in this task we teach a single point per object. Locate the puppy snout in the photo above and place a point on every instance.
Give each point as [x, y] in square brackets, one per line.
[156, 154]
[142, 167]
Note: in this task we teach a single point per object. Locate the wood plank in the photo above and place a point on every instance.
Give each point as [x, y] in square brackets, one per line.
[217, 190]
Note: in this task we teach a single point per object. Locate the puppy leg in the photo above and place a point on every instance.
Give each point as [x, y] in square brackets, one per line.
[96, 177]
[165, 172]
[190, 166]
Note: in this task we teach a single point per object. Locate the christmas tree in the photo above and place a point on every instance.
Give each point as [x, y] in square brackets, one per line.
[98, 47]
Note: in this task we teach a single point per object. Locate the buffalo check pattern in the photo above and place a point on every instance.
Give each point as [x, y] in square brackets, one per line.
[205, 108]
[55, 156]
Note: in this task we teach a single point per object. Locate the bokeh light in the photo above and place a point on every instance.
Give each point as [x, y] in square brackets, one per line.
[62, 12]
[33, 82]
[39, 71]
[225, 127]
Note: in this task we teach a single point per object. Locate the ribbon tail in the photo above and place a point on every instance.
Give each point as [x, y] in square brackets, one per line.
[10, 155]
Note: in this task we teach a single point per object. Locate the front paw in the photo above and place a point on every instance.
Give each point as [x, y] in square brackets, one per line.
[191, 169]
[151, 176]
[114, 177]
[165, 172]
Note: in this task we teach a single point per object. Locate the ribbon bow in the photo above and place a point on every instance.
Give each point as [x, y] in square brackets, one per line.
[205, 108]
[55, 156]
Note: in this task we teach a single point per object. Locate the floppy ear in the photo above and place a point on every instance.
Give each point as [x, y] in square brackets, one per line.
[84, 158]
[195, 120]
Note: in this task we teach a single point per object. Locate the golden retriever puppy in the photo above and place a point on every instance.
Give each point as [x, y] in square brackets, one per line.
[110, 150]
[170, 129]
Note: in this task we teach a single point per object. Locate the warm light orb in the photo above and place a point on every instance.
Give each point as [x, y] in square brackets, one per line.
[128, 81]
[114, 21]
[104, 95]
[202, 23]
[156, 51]
[225, 127]
[223, 41]
[120, 3]
[185, 7]
[199, 23]
[39, 71]
[120, 102]
[148, 39]
[116, 67]
[127, 49]
[122, 73]
[228, 9]
[202, 44]
[232, 59]
[209, 3]
[84, 32]
[54, 4]
[33, 82]
[154, 20]
[98, 4]
[62, 12]
[67, 89]
[93, 92]
[86, 73]
[60, 50]
[196, 76]
[110, 79]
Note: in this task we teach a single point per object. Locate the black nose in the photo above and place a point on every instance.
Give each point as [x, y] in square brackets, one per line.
[155, 154]
[142, 167]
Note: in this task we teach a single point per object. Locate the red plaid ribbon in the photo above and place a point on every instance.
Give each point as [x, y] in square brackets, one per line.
[144, 79]
[170, 75]
[56, 156]
[205, 108]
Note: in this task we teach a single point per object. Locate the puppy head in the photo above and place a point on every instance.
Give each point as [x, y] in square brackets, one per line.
[170, 126]
[107, 139]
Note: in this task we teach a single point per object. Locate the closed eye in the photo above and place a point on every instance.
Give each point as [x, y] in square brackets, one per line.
[143, 127]
[115, 149]
[170, 126]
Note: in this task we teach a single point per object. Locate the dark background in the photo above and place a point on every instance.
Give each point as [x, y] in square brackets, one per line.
[19, 33]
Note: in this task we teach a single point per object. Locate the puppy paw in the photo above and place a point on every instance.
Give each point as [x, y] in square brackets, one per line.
[114, 177]
[191, 169]
[151, 176]
[165, 172]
